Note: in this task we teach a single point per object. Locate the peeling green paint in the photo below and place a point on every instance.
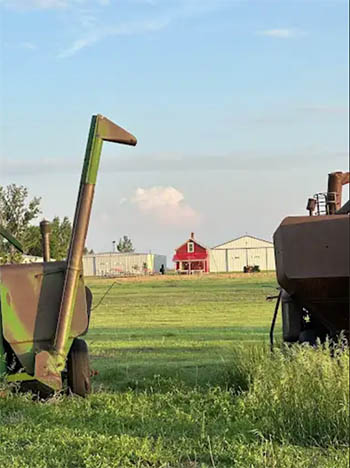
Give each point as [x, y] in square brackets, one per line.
[12, 327]
[92, 154]
[11, 322]
[19, 377]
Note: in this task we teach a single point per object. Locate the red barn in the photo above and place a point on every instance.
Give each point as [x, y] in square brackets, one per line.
[191, 257]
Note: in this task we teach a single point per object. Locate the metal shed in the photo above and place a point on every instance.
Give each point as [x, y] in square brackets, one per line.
[114, 264]
[244, 251]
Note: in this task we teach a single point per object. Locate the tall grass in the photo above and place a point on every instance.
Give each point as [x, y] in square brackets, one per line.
[298, 395]
[170, 394]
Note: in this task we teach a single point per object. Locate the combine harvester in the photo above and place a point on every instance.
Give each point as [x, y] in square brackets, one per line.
[313, 262]
[45, 307]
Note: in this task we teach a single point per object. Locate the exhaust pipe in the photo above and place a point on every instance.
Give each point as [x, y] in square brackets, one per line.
[45, 230]
[336, 180]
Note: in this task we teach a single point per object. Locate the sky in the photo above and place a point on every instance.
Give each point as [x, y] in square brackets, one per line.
[240, 108]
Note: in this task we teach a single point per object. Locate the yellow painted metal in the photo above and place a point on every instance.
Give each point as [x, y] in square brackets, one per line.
[22, 377]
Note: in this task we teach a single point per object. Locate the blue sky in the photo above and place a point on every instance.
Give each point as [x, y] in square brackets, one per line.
[240, 108]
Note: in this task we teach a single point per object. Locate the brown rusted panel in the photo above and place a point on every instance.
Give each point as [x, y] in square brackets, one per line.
[311, 205]
[345, 209]
[313, 247]
[45, 371]
[312, 263]
[33, 300]
[109, 131]
[336, 180]
[74, 262]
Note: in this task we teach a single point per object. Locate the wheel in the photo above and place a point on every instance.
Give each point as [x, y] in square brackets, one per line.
[78, 369]
[308, 336]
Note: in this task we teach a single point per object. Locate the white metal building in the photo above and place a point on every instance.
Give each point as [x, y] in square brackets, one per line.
[247, 250]
[114, 263]
[32, 259]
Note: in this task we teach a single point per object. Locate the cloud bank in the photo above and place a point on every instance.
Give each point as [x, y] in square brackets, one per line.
[174, 163]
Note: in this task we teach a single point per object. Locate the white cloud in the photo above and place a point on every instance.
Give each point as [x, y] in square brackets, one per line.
[163, 16]
[166, 205]
[77, 46]
[326, 109]
[93, 25]
[51, 4]
[28, 45]
[40, 4]
[283, 33]
[99, 33]
[34, 167]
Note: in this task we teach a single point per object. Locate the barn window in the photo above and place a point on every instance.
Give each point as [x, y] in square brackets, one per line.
[190, 247]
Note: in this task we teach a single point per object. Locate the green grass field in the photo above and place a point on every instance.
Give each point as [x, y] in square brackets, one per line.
[185, 379]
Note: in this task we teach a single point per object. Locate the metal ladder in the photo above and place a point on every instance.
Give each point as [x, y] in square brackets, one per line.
[321, 204]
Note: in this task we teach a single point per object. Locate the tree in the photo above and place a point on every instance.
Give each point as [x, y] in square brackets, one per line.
[59, 239]
[32, 241]
[16, 213]
[61, 232]
[125, 245]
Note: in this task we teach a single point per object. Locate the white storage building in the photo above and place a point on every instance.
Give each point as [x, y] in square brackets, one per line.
[244, 251]
[114, 263]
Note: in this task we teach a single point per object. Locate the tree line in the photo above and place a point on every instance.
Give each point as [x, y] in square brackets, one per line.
[19, 215]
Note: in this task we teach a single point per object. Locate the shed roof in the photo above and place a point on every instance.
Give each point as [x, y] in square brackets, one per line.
[116, 254]
[262, 242]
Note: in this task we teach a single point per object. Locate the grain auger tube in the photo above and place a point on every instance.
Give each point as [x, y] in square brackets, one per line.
[45, 307]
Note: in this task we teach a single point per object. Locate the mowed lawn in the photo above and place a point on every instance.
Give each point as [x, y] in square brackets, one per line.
[182, 327]
[185, 379]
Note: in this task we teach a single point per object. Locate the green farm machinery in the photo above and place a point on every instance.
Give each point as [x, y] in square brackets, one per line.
[45, 307]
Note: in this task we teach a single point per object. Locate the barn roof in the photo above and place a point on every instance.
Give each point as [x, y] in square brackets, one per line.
[190, 239]
[242, 237]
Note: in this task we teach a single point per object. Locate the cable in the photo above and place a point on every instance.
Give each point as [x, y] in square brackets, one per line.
[105, 294]
[274, 319]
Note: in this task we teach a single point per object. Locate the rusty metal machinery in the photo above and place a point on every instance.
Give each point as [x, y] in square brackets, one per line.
[312, 263]
[45, 307]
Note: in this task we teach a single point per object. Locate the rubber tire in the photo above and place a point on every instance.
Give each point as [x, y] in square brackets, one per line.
[78, 368]
[308, 336]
